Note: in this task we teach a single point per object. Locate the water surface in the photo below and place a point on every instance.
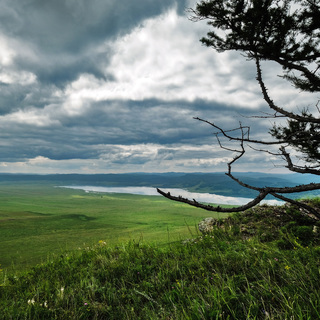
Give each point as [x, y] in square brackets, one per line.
[149, 191]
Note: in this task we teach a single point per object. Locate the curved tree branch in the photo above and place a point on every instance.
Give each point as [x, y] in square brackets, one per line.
[208, 207]
[263, 192]
[224, 133]
[272, 104]
[295, 168]
[300, 204]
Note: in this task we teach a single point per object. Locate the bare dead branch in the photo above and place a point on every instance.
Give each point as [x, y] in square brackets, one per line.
[298, 204]
[208, 207]
[266, 116]
[294, 168]
[296, 189]
[263, 192]
[242, 138]
[224, 133]
[266, 151]
[225, 148]
[237, 157]
[241, 183]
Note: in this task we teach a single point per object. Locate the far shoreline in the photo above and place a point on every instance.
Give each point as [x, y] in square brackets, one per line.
[150, 191]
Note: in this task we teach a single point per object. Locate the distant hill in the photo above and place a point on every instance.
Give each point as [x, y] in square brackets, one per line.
[217, 183]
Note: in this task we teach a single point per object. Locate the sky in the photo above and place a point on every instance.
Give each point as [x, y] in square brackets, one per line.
[109, 86]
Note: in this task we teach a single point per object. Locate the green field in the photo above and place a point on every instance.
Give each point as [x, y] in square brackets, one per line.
[38, 220]
[259, 264]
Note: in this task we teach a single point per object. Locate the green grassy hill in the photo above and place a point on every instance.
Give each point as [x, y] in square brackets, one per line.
[261, 264]
[37, 220]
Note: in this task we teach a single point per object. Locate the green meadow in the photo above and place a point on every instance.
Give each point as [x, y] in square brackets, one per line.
[40, 219]
[260, 264]
[68, 254]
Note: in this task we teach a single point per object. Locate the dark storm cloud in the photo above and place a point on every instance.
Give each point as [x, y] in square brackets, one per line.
[148, 121]
[16, 96]
[73, 25]
[118, 123]
[105, 85]
[56, 39]
[11, 97]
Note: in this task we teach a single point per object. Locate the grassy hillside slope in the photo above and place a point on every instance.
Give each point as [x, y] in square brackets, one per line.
[261, 264]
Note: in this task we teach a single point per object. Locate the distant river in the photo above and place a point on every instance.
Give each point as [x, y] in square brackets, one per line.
[149, 191]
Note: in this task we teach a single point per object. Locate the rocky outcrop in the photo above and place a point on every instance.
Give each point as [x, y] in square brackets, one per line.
[207, 225]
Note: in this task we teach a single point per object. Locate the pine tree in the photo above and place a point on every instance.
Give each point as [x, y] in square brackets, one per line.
[286, 32]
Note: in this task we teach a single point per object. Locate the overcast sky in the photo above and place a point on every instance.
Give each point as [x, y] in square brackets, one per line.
[109, 86]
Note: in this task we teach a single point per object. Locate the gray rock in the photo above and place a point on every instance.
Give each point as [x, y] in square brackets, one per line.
[206, 225]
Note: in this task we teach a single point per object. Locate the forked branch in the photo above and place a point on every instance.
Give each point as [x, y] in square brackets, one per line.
[209, 207]
[263, 192]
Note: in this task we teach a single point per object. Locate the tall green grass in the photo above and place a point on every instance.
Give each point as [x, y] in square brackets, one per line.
[233, 273]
